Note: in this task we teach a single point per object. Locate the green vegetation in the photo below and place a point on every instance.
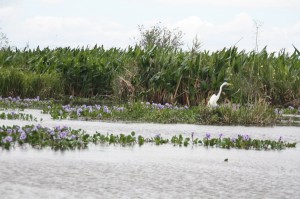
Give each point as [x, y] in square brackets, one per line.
[258, 114]
[155, 70]
[64, 138]
[17, 116]
[152, 73]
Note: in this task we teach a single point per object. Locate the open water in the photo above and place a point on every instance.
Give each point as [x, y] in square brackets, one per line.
[152, 171]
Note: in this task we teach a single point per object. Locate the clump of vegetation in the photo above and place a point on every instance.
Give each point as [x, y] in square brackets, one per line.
[58, 138]
[65, 138]
[17, 116]
[257, 114]
[260, 113]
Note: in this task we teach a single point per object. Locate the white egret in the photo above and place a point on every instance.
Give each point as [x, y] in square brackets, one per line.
[214, 98]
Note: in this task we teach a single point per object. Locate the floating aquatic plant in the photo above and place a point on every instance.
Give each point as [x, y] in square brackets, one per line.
[17, 102]
[17, 116]
[59, 137]
[64, 138]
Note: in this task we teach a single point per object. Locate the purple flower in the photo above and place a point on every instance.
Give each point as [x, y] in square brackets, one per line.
[246, 137]
[51, 132]
[220, 135]
[233, 139]
[120, 109]
[280, 138]
[23, 136]
[98, 107]
[168, 105]
[207, 135]
[57, 128]
[79, 111]
[63, 134]
[106, 110]
[7, 139]
[73, 137]
[90, 109]
[160, 106]
[9, 131]
[21, 131]
[291, 108]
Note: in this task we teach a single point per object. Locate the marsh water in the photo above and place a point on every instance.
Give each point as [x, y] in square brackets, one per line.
[152, 171]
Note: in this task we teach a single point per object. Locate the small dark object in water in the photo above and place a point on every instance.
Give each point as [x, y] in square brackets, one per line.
[226, 160]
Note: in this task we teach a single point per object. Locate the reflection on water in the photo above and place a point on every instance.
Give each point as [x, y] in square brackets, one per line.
[153, 171]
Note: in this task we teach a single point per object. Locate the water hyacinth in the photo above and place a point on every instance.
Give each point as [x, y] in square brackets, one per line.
[106, 109]
[160, 106]
[51, 132]
[23, 136]
[39, 137]
[81, 111]
[7, 139]
[220, 135]
[246, 137]
[16, 116]
[62, 138]
[207, 135]
[73, 137]
[62, 134]
[17, 102]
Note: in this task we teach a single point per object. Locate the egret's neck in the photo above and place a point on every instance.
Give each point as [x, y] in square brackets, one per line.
[220, 91]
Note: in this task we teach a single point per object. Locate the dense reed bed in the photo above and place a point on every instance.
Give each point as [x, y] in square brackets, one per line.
[153, 74]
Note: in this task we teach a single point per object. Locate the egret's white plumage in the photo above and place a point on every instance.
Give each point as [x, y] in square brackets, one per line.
[214, 98]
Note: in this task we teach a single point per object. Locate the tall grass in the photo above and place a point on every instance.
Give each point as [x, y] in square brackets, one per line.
[14, 82]
[152, 74]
